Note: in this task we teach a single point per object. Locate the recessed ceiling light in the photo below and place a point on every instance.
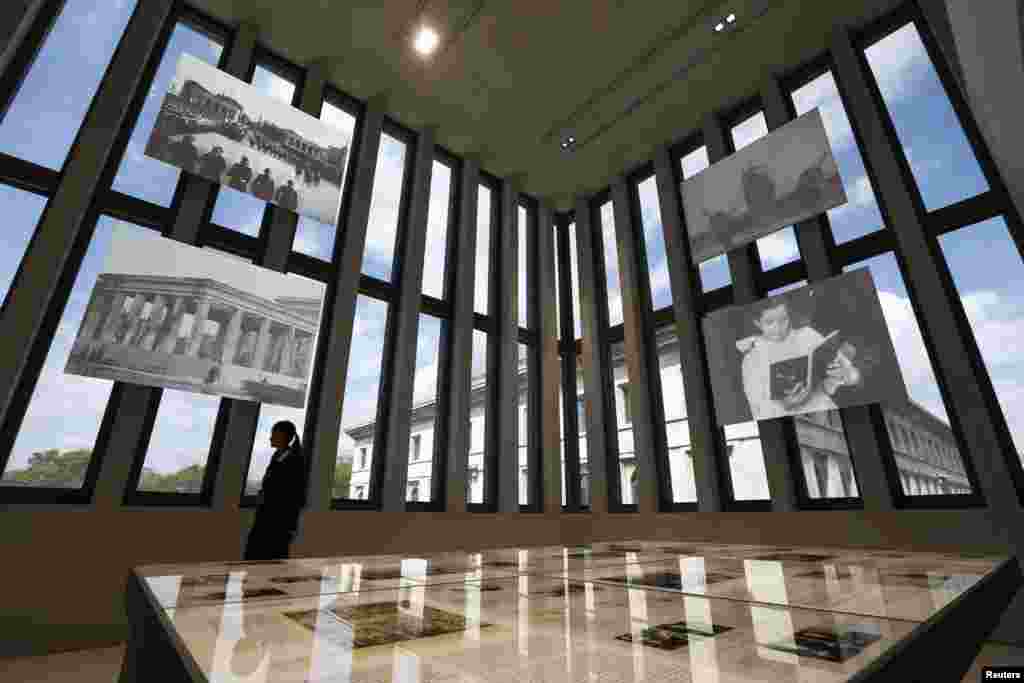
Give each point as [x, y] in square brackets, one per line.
[568, 142]
[731, 18]
[719, 26]
[426, 40]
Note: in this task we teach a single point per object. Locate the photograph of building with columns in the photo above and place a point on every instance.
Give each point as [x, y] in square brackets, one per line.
[154, 319]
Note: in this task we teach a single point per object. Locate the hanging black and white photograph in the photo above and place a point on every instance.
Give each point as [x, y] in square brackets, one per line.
[167, 314]
[222, 129]
[785, 177]
[820, 347]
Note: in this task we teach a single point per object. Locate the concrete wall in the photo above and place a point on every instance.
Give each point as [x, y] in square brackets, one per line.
[65, 569]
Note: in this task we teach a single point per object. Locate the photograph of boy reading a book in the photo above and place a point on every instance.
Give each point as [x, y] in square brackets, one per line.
[817, 348]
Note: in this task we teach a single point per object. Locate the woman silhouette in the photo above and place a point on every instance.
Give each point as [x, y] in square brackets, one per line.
[282, 495]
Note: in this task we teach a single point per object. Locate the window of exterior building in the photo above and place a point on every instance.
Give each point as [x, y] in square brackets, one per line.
[22, 211]
[479, 401]
[677, 432]
[987, 271]
[362, 392]
[435, 251]
[746, 462]
[425, 413]
[627, 450]
[940, 157]
[627, 417]
[55, 442]
[385, 208]
[859, 215]
[484, 230]
[142, 176]
[779, 247]
[611, 264]
[926, 410]
[414, 492]
[312, 237]
[239, 210]
[44, 118]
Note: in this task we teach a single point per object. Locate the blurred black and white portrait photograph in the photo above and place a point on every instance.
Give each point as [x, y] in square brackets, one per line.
[781, 179]
[820, 347]
[168, 314]
[224, 130]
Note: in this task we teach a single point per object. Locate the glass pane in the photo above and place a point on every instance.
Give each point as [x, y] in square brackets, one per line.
[313, 237]
[522, 252]
[239, 210]
[939, 154]
[523, 431]
[561, 434]
[259, 458]
[483, 251]
[628, 472]
[654, 242]
[385, 207]
[860, 215]
[180, 443]
[21, 212]
[435, 252]
[477, 421]
[780, 247]
[44, 118]
[424, 409]
[987, 270]
[673, 398]
[917, 425]
[824, 456]
[611, 264]
[574, 283]
[54, 445]
[558, 286]
[583, 425]
[746, 462]
[362, 385]
[142, 176]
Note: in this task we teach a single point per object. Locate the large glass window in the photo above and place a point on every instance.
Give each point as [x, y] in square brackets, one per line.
[523, 265]
[22, 210]
[779, 247]
[142, 176]
[435, 252]
[239, 210]
[746, 462]
[424, 417]
[583, 427]
[628, 473]
[924, 416]
[523, 430]
[558, 285]
[180, 443]
[654, 243]
[385, 209]
[859, 215]
[362, 393]
[483, 251]
[939, 154]
[57, 435]
[574, 283]
[987, 270]
[677, 432]
[311, 236]
[50, 106]
[714, 273]
[479, 400]
[611, 264]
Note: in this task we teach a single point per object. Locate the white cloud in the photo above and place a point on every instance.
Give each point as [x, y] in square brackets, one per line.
[898, 61]
[778, 248]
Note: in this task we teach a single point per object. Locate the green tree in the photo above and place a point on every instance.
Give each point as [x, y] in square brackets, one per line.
[186, 480]
[342, 479]
[53, 468]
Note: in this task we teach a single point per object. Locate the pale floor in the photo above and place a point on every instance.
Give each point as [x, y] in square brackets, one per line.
[543, 614]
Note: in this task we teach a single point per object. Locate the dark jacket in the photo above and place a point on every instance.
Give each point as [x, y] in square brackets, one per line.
[283, 491]
[263, 187]
[287, 197]
[212, 166]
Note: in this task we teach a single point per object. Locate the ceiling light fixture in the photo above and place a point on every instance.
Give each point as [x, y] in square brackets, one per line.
[731, 18]
[719, 26]
[426, 41]
[568, 142]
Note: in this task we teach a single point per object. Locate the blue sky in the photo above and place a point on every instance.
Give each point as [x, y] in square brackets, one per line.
[65, 411]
